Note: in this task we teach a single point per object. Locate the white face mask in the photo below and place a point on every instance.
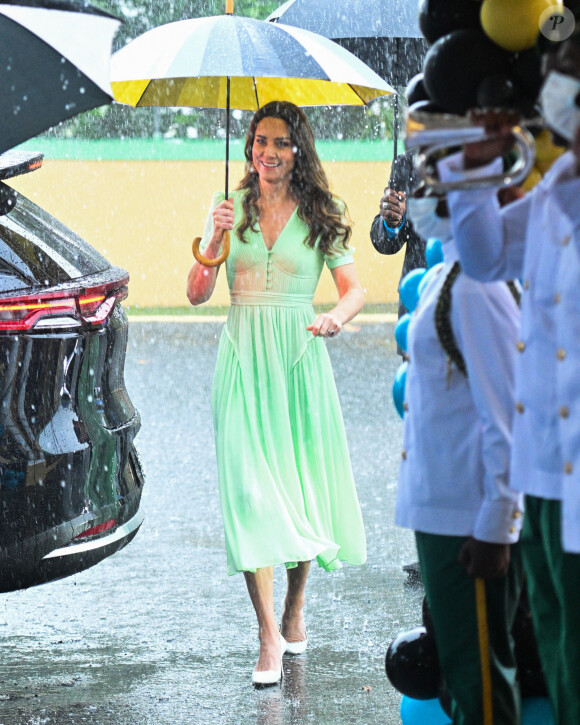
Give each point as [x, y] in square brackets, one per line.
[558, 99]
[425, 221]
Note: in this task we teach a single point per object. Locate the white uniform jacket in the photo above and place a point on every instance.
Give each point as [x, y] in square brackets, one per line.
[453, 478]
[538, 240]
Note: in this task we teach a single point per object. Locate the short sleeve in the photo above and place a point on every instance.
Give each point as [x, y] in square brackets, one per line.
[217, 198]
[338, 255]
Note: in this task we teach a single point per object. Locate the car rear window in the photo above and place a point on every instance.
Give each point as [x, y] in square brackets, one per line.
[37, 249]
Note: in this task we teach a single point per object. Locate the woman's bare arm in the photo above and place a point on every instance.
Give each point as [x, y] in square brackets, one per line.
[201, 280]
[351, 300]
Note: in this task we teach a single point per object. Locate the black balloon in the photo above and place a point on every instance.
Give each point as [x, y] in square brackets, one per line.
[528, 109]
[416, 90]
[412, 665]
[440, 17]
[526, 71]
[496, 91]
[456, 64]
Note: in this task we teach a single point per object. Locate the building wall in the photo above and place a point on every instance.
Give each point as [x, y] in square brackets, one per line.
[143, 215]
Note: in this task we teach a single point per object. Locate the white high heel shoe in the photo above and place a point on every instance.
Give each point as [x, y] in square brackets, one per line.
[296, 648]
[264, 678]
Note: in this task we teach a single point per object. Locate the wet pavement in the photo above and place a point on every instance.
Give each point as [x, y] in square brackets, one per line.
[158, 634]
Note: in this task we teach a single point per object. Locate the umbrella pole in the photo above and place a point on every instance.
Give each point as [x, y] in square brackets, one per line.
[395, 126]
[226, 236]
[227, 133]
[229, 11]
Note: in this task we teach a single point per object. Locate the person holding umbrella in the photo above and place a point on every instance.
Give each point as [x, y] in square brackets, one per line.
[286, 486]
[391, 228]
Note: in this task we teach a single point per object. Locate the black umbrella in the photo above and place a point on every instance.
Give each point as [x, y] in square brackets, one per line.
[54, 63]
[384, 34]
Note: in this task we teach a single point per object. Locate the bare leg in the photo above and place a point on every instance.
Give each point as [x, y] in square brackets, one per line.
[260, 589]
[293, 628]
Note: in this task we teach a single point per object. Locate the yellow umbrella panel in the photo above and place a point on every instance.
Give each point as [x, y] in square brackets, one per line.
[247, 94]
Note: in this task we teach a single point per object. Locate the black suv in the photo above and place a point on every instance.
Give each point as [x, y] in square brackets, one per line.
[70, 478]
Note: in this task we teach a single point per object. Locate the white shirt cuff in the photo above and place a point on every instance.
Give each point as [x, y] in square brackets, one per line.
[499, 522]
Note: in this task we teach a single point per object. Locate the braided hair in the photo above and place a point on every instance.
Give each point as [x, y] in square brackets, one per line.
[443, 319]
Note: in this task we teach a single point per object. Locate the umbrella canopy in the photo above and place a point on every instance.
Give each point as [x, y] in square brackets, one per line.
[55, 58]
[230, 61]
[348, 19]
[187, 63]
[383, 33]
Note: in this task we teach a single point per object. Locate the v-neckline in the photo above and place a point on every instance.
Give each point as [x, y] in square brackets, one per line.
[271, 249]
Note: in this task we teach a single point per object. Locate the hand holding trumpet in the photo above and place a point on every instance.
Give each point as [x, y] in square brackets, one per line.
[499, 139]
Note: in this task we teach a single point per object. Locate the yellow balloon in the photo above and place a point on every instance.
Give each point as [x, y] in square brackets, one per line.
[546, 151]
[534, 178]
[514, 24]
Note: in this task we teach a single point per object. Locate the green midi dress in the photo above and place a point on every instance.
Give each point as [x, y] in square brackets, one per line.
[285, 480]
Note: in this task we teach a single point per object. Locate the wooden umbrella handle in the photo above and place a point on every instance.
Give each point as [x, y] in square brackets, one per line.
[212, 262]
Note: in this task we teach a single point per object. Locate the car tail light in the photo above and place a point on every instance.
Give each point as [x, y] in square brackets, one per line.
[90, 306]
[98, 529]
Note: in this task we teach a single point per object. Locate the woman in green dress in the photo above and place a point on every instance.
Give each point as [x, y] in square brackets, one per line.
[285, 480]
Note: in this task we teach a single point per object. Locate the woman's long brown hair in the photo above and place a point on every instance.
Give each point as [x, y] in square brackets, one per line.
[316, 205]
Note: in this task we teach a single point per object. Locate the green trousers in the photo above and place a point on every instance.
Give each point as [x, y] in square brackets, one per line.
[451, 596]
[554, 590]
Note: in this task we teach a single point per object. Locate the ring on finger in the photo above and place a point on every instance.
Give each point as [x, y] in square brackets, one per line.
[385, 205]
[331, 333]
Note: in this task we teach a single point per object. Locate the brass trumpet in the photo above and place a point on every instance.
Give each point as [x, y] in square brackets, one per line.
[435, 135]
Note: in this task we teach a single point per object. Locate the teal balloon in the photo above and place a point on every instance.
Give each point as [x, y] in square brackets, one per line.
[422, 712]
[399, 388]
[535, 711]
[408, 287]
[401, 331]
[433, 251]
[427, 277]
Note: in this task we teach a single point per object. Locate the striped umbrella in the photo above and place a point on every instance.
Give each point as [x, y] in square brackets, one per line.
[230, 61]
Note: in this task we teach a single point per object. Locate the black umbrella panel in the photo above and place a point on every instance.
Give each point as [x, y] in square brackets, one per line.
[55, 64]
[384, 34]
